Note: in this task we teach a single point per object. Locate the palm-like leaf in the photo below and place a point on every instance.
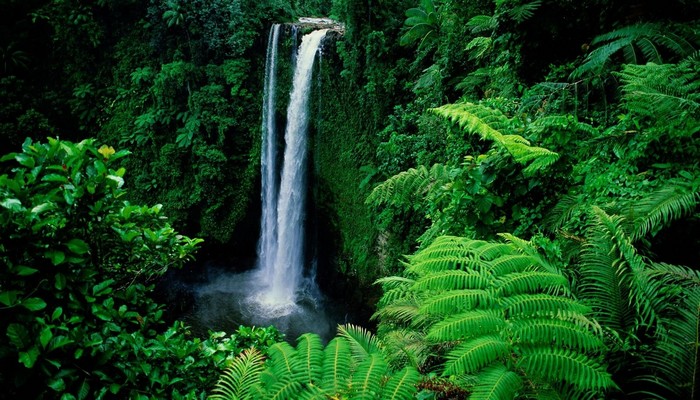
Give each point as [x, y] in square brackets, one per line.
[402, 385]
[362, 342]
[637, 43]
[237, 380]
[497, 383]
[336, 366]
[367, 379]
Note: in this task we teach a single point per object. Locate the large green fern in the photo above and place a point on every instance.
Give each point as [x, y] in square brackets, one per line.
[493, 125]
[351, 366]
[639, 43]
[666, 93]
[501, 312]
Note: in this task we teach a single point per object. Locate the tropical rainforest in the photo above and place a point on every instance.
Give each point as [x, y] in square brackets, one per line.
[509, 189]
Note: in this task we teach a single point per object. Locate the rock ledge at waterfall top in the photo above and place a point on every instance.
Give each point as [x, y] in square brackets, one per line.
[321, 23]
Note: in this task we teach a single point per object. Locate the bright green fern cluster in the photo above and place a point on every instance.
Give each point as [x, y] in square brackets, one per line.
[351, 366]
[498, 312]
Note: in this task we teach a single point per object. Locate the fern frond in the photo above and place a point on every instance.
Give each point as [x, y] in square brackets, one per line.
[530, 282]
[406, 347]
[663, 92]
[548, 331]
[444, 263]
[367, 379]
[646, 36]
[455, 301]
[362, 342]
[479, 46]
[574, 368]
[471, 356]
[496, 383]
[645, 296]
[282, 356]
[401, 311]
[405, 187]
[336, 366]
[238, 379]
[309, 358]
[492, 251]
[467, 325]
[509, 264]
[661, 207]
[402, 385]
[540, 304]
[482, 23]
[524, 11]
[452, 280]
[564, 211]
[674, 358]
[286, 389]
[312, 392]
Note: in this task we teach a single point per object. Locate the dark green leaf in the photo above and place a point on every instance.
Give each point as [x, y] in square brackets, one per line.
[45, 337]
[56, 256]
[28, 358]
[18, 335]
[25, 159]
[60, 282]
[34, 304]
[55, 178]
[12, 204]
[23, 270]
[78, 246]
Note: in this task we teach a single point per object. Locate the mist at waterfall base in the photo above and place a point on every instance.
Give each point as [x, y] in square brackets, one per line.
[281, 288]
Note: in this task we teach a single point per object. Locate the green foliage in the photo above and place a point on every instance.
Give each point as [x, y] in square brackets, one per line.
[351, 365]
[424, 25]
[666, 93]
[487, 123]
[638, 43]
[77, 317]
[501, 312]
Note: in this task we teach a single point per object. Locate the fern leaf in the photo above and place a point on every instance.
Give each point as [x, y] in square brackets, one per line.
[403, 311]
[362, 342]
[282, 356]
[482, 23]
[309, 358]
[402, 385]
[530, 282]
[574, 368]
[452, 280]
[565, 334]
[455, 301]
[467, 325]
[508, 264]
[471, 356]
[524, 11]
[535, 305]
[663, 92]
[367, 379]
[406, 347]
[660, 208]
[496, 383]
[238, 379]
[286, 389]
[337, 365]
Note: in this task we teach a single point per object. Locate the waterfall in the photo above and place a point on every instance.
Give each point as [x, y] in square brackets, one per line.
[267, 245]
[283, 272]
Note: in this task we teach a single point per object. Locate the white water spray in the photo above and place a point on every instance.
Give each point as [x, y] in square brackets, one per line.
[283, 272]
[267, 245]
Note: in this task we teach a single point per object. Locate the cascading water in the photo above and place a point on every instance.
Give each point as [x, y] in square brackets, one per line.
[285, 273]
[267, 245]
[276, 292]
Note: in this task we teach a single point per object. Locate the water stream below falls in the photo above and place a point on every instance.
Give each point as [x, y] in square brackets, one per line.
[281, 289]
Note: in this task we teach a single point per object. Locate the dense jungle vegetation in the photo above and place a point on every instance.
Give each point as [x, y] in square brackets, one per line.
[510, 187]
